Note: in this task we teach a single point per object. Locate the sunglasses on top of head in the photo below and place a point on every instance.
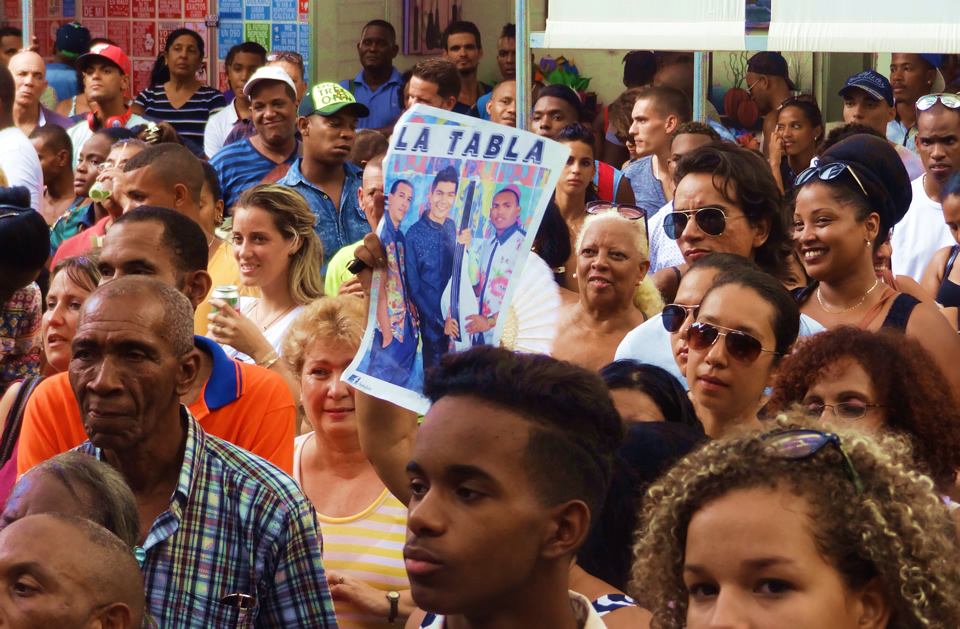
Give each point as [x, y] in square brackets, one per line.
[631, 212]
[951, 101]
[739, 345]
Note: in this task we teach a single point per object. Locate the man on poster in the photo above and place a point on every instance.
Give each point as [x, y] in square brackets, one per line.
[429, 264]
[396, 337]
[498, 257]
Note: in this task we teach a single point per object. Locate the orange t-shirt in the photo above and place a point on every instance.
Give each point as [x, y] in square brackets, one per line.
[248, 406]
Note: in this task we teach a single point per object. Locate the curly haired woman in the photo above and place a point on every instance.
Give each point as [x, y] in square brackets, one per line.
[796, 528]
[877, 381]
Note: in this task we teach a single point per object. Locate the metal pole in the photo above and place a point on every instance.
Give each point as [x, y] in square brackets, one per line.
[701, 67]
[524, 81]
[26, 11]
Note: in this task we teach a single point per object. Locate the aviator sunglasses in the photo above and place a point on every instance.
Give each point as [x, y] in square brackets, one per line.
[674, 315]
[802, 444]
[826, 172]
[739, 345]
[951, 101]
[711, 221]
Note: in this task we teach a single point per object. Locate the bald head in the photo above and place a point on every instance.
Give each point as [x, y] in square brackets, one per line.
[85, 574]
[29, 78]
[171, 305]
[502, 105]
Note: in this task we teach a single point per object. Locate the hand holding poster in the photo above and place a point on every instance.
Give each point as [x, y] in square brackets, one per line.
[464, 200]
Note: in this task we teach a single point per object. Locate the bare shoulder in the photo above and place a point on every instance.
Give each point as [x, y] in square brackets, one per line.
[6, 402]
[632, 617]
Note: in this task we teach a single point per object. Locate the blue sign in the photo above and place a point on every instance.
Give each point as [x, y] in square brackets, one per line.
[303, 46]
[257, 10]
[284, 37]
[229, 34]
[231, 9]
[69, 8]
[284, 10]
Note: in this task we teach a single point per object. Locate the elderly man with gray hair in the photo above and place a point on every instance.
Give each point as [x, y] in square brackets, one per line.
[230, 540]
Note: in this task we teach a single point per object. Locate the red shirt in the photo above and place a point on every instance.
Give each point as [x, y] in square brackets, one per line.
[81, 244]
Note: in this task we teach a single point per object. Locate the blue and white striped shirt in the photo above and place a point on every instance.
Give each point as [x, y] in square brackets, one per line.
[191, 118]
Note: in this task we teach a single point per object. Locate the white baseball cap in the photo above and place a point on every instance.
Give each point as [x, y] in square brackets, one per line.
[268, 73]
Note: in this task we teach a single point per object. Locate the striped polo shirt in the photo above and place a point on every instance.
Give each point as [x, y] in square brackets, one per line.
[240, 166]
[191, 118]
[367, 546]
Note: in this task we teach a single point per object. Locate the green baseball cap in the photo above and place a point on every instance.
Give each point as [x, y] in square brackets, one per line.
[327, 99]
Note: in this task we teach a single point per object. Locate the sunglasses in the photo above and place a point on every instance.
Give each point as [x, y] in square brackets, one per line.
[952, 101]
[293, 57]
[739, 345]
[842, 410]
[803, 444]
[826, 172]
[631, 212]
[711, 221]
[674, 315]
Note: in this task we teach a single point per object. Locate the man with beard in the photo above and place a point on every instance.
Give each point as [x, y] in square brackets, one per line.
[378, 85]
[769, 84]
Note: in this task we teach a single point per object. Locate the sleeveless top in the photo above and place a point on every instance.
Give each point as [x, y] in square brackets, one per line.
[897, 317]
[949, 294]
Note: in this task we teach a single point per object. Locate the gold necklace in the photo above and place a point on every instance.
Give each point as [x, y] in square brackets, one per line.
[860, 303]
[276, 318]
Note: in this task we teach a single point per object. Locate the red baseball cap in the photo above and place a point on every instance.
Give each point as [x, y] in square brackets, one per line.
[105, 51]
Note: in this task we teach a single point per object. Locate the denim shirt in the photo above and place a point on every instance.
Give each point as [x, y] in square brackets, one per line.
[335, 229]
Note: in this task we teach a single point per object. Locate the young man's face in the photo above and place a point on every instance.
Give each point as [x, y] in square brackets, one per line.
[239, 72]
[862, 108]
[9, 46]
[938, 142]
[274, 112]
[910, 76]
[504, 211]
[104, 81]
[441, 200]
[475, 525]
[329, 138]
[420, 91]
[399, 202]
[377, 48]
[462, 50]
[507, 58]
[649, 128]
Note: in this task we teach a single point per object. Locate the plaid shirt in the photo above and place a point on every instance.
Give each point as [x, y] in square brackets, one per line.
[236, 524]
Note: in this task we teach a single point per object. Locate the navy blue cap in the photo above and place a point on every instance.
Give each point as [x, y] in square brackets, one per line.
[871, 82]
[934, 59]
[73, 39]
[771, 64]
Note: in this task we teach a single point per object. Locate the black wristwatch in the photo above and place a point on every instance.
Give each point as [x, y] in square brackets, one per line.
[394, 597]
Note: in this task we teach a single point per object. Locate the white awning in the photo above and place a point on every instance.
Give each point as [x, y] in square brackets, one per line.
[871, 26]
[646, 24]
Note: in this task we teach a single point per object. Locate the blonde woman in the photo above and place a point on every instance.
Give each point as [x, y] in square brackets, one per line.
[279, 253]
[616, 295]
[363, 524]
[798, 528]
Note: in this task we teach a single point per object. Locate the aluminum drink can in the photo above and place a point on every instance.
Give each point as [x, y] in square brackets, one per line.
[228, 293]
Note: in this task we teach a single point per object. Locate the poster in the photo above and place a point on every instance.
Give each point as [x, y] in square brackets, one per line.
[194, 9]
[144, 9]
[119, 31]
[169, 9]
[256, 10]
[257, 32]
[229, 34]
[141, 75]
[94, 8]
[284, 37]
[486, 186]
[118, 8]
[231, 10]
[144, 38]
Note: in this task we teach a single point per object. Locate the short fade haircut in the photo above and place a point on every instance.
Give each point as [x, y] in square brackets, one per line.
[249, 47]
[756, 191]
[172, 164]
[181, 237]
[10, 31]
[369, 143]
[458, 28]
[509, 31]
[435, 70]
[398, 183]
[382, 24]
[696, 128]
[445, 175]
[669, 101]
[55, 138]
[177, 324]
[575, 429]
[564, 93]
[845, 131]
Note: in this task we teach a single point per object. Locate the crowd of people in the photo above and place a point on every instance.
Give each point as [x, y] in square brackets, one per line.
[747, 417]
